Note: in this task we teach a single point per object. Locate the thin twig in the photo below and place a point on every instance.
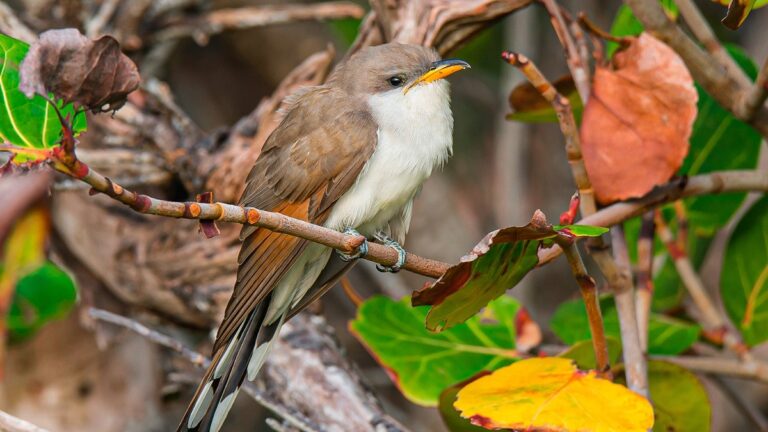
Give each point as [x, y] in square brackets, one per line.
[64, 161]
[201, 361]
[576, 64]
[203, 27]
[703, 32]
[588, 290]
[703, 184]
[644, 292]
[619, 279]
[759, 92]
[600, 33]
[721, 366]
[95, 25]
[9, 423]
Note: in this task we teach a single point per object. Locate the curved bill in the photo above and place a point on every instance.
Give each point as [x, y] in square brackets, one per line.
[439, 70]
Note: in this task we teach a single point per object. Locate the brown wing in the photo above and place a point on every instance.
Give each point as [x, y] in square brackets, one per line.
[309, 161]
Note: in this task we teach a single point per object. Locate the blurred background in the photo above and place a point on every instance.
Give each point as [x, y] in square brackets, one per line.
[78, 375]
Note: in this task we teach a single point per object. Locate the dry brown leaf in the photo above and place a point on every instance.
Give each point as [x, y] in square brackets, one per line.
[93, 74]
[638, 120]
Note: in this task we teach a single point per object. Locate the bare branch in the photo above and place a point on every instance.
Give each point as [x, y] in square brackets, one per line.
[9, 423]
[721, 366]
[11, 25]
[701, 29]
[578, 65]
[756, 97]
[202, 362]
[644, 293]
[704, 184]
[203, 27]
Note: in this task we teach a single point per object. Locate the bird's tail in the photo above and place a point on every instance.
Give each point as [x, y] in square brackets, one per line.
[242, 357]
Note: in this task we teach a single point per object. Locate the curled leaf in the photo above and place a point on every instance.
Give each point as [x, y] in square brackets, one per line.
[552, 394]
[93, 74]
[494, 265]
[529, 106]
[638, 120]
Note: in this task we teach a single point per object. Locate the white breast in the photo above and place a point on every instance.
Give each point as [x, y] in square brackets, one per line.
[414, 136]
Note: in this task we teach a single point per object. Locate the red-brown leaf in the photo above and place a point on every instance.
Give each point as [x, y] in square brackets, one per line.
[638, 120]
[93, 74]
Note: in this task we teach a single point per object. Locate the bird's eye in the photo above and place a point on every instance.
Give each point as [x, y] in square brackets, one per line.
[395, 81]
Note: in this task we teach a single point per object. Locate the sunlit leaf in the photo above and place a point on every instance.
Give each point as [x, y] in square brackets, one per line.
[423, 363]
[666, 335]
[744, 277]
[451, 417]
[551, 394]
[28, 123]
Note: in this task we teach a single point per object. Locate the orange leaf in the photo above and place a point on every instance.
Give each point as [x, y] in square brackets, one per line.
[638, 120]
[551, 394]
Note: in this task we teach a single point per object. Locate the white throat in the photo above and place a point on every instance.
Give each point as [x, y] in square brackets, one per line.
[415, 135]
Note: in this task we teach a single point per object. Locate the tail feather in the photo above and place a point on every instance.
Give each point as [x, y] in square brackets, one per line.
[229, 366]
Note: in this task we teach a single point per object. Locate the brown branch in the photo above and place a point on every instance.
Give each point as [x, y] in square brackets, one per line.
[716, 80]
[9, 423]
[703, 32]
[577, 65]
[644, 293]
[292, 416]
[743, 403]
[759, 92]
[721, 366]
[203, 27]
[703, 184]
[588, 290]
[66, 162]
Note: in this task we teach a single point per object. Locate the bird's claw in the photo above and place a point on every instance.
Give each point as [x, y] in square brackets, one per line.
[401, 254]
[361, 251]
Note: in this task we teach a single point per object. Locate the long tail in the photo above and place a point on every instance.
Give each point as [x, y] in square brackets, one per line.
[242, 357]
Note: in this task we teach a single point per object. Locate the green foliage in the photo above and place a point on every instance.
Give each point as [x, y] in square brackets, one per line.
[423, 363]
[680, 400]
[744, 278]
[582, 230]
[666, 336]
[45, 294]
[583, 353]
[24, 122]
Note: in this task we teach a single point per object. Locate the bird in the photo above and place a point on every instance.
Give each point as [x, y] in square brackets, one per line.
[350, 155]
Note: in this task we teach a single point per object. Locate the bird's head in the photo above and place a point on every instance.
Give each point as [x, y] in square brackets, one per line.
[394, 67]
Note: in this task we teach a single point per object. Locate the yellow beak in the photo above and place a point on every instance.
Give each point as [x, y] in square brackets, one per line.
[439, 70]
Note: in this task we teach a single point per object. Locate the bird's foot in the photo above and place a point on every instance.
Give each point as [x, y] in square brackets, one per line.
[361, 251]
[401, 254]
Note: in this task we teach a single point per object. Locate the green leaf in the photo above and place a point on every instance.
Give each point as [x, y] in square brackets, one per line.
[626, 24]
[666, 336]
[680, 400]
[494, 265]
[41, 296]
[582, 230]
[583, 353]
[423, 363]
[28, 123]
[452, 419]
[719, 142]
[744, 278]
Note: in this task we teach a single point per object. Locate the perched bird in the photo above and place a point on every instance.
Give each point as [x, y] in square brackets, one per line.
[350, 155]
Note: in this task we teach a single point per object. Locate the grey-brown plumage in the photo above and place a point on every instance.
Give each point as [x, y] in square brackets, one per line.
[348, 154]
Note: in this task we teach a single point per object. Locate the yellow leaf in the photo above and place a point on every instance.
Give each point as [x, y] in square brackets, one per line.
[552, 394]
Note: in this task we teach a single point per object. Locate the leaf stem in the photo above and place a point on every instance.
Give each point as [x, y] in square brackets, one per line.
[588, 290]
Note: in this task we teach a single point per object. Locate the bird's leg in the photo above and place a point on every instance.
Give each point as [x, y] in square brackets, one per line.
[401, 254]
[361, 251]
